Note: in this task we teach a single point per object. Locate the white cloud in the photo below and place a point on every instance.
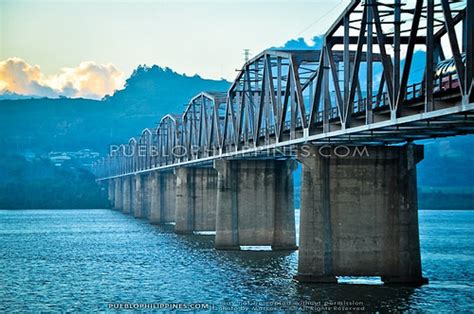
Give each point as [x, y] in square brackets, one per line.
[87, 80]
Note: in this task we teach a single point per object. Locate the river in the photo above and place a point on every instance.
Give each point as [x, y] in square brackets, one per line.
[95, 260]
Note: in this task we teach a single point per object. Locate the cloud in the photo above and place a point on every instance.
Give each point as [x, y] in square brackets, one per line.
[300, 43]
[87, 80]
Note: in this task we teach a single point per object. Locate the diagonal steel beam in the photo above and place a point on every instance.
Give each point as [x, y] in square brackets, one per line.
[409, 57]
[470, 47]
[454, 43]
[386, 61]
[355, 72]
[315, 103]
[334, 74]
[299, 93]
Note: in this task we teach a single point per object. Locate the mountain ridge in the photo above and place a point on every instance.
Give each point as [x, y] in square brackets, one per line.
[78, 123]
[42, 125]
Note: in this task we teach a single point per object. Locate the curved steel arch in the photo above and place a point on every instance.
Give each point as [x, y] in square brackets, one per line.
[132, 154]
[169, 139]
[120, 159]
[202, 123]
[144, 149]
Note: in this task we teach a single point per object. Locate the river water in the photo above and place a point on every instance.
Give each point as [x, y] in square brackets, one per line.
[90, 260]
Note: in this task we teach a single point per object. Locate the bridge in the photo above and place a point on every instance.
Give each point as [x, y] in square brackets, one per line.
[350, 113]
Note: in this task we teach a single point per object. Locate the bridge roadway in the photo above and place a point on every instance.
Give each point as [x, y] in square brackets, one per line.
[349, 113]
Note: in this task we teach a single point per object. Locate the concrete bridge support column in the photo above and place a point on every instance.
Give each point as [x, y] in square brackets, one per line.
[137, 196]
[154, 214]
[127, 194]
[196, 198]
[118, 194]
[146, 202]
[359, 213]
[255, 204]
[111, 192]
[162, 189]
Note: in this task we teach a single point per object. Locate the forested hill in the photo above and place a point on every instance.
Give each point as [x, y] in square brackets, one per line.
[43, 125]
[39, 126]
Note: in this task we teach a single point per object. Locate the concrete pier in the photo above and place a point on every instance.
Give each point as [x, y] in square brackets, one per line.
[196, 199]
[118, 204]
[137, 196]
[146, 196]
[154, 215]
[359, 214]
[162, 195]
[127, 194]
[111, 192]
[255, 204]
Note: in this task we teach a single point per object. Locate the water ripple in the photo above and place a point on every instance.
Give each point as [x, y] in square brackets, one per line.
[81, 260]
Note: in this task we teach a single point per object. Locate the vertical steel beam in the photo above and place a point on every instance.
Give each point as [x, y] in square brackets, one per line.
[271, 92]
[429, 102]
[326, 95]
[347, 61]
[201, 125]
[293, 103]
[369, 62]
[465, 29]
[469, 29]
[217, 124]
[396, 51]
[278, 113]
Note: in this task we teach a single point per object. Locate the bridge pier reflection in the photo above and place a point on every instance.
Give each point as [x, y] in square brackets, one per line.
[196, 197]
[359, 214]
[255, 204]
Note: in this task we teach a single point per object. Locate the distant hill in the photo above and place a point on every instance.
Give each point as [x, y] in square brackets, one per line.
[41, 125]
[38, 183]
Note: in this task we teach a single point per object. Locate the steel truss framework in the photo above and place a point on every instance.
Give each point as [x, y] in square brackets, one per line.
[357, 89]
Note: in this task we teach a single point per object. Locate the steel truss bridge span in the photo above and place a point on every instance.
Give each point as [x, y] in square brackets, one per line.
[362, 87]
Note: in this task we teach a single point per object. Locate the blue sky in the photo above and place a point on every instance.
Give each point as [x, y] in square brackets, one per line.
[204, 37]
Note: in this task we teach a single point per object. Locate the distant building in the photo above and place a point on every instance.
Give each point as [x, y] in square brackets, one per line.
[83, 157]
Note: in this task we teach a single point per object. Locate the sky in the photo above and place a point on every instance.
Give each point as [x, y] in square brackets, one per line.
[88, 48]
